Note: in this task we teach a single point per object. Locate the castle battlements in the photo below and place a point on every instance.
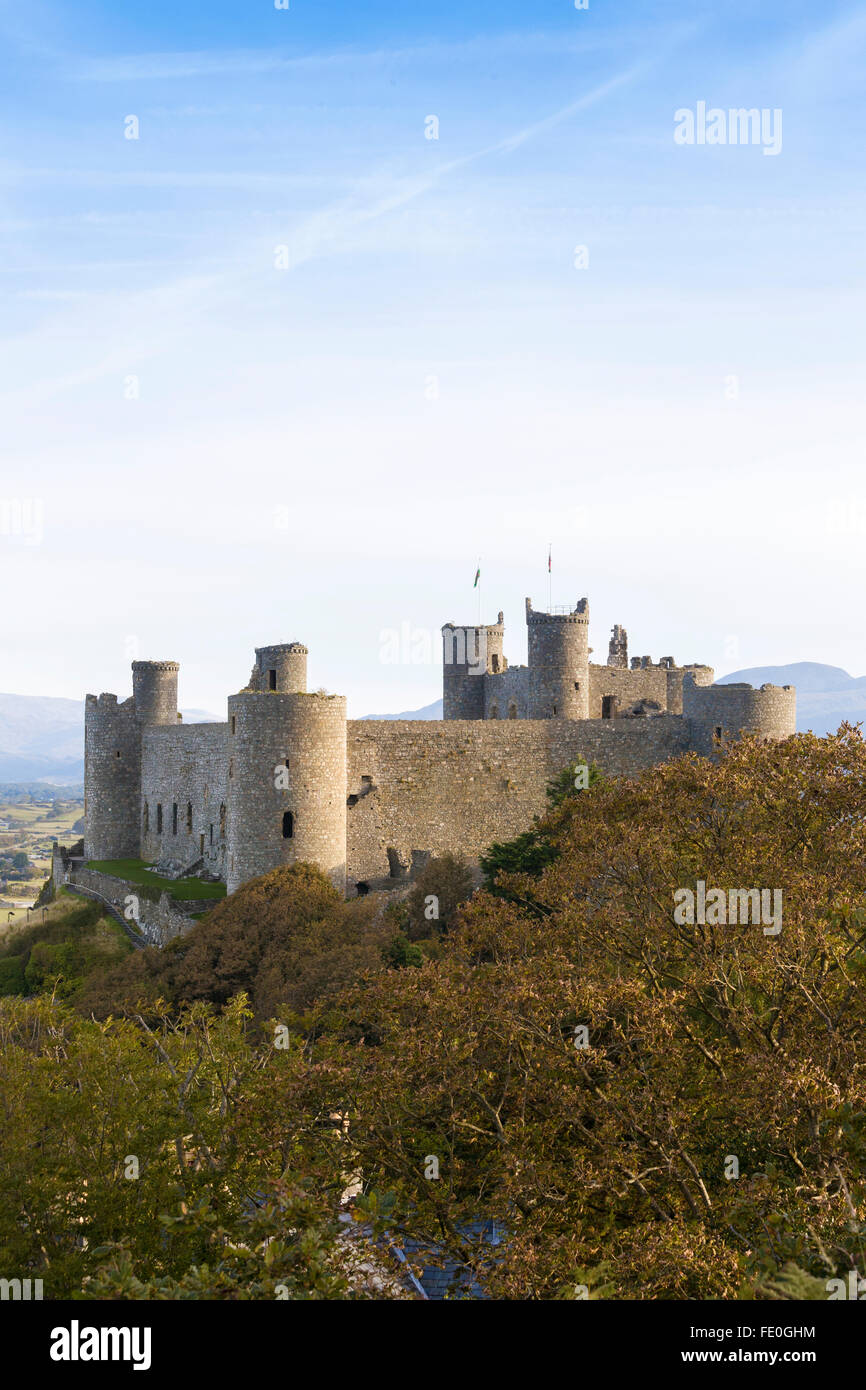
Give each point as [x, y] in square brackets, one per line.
[288, 778]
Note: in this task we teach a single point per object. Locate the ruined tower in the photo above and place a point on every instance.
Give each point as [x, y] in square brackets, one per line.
[617, 651]
[468, 655]
[282, 669]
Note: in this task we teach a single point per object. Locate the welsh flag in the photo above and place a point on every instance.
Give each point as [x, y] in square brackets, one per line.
[477, 577]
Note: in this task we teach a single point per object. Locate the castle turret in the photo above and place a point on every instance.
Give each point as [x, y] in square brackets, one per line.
[282, 668]
[154, 691]
[718, 713]
[286, 784]
[468, 655]
[112, 779]
[559, 663]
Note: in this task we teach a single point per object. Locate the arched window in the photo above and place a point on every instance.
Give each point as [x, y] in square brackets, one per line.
[288, 825]
[494, 711]
[512, 710]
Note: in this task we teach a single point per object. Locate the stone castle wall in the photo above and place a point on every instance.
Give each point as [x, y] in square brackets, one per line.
[455, 786]
[157, 920]
[184, 766]
[287, 779]
[662, 684]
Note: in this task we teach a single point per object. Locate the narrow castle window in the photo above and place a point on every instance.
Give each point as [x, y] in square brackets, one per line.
[146, 818]
[211, 834]
[201, 844]
[223, 820]
[231, 767]
[117, 754]
[512, 710]
[288, 825]
[272, 680]
[234, 723]
[718, 732]
[174, 819]
[189, 818]
[494, 712]
[158, 819]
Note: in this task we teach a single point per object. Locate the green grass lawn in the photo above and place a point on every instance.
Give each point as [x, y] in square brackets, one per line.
[136, 871]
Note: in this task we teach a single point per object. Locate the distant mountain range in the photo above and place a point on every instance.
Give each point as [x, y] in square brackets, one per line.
[42, 737]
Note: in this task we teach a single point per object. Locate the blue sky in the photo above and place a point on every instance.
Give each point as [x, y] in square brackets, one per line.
[282, 367]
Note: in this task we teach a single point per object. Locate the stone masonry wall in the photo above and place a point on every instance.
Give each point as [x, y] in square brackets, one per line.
[112, 778]
[184, 765]
[455, 786]
[664, 684]
[770, 712]
[159, 920]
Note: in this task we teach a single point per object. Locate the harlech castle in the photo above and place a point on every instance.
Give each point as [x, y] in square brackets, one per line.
[287, 777]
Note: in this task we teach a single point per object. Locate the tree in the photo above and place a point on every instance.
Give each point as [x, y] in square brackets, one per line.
[442, 886]
[661, 1109]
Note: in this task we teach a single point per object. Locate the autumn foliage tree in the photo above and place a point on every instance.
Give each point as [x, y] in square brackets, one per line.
[705, 1136]
[643, 1107]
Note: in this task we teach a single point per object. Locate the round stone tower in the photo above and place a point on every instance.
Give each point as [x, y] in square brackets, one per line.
[559, 663]
[112, 778]
[468, 655]
[154, 691]
[719, 713]
[282, 668]
[286, 784]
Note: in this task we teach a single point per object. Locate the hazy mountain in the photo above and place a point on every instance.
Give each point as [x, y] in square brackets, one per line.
[826, 695]
[42, 738]
[433, 711]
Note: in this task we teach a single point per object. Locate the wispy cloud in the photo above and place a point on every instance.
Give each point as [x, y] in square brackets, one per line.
[239, 62]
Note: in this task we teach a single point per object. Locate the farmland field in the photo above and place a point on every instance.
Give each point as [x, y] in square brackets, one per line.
[29, 823]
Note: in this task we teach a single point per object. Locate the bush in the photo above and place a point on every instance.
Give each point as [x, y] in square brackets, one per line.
[442, 886]
[12, 976]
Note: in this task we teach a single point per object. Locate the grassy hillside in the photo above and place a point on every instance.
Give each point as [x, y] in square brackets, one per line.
[61, 947]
